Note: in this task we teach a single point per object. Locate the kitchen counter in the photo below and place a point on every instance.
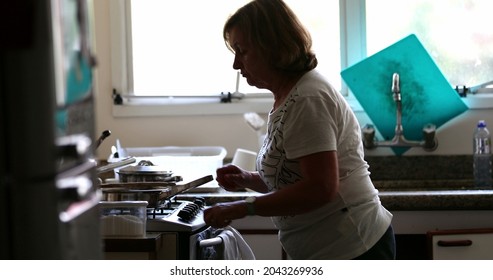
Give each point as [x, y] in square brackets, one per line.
[394, 200]
[416, 191]
[412, 183]
[449, 194]
[437, 200]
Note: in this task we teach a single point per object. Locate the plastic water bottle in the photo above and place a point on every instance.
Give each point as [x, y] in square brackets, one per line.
[482, 156]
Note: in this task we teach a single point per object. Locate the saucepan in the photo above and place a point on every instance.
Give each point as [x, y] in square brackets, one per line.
[146, 171]
[140, 173]
[152, 192]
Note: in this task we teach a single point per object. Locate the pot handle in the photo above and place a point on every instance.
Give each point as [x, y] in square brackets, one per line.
[111, 166]
[188, 186]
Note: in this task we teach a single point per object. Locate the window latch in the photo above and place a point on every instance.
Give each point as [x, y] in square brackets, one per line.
[117, 98]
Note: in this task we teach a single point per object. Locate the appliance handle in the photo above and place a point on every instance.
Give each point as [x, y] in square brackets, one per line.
[454, 243]
[211, 242]
[76, 209]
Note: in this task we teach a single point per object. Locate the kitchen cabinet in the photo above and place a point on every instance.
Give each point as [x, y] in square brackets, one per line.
[412, 228]
[420, 222]
[261, 236]
[463, 244]
[153, 246]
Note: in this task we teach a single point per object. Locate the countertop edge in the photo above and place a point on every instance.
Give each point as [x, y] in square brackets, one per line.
[392, 201]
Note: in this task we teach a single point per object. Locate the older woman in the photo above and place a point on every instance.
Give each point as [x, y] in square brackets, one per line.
[311, 168]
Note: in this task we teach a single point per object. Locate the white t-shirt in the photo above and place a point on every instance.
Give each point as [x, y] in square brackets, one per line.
[316, 118]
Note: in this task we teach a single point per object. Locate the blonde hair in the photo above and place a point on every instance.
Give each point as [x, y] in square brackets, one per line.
[273, 28]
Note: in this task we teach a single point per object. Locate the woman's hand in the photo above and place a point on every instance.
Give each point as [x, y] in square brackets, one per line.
[221, 214]
[233, 178]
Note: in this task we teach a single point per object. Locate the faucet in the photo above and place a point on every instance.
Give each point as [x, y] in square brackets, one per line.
[430, 143]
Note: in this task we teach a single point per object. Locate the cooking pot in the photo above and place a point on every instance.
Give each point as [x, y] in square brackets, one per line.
[140, 173]
[152, 192]
[152, 196]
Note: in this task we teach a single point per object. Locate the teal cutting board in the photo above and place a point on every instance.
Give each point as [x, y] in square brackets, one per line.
[427, 96]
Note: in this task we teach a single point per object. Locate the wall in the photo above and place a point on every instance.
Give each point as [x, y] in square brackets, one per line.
[229, 131]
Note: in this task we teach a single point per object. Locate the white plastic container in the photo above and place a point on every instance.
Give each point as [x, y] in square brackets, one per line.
[123, 218]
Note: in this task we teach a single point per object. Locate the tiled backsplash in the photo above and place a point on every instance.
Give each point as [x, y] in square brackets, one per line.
[420, 167]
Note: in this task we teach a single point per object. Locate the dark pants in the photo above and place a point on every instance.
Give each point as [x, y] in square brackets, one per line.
[384, 249]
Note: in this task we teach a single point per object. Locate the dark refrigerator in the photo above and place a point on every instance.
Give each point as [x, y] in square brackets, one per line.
[48, 187]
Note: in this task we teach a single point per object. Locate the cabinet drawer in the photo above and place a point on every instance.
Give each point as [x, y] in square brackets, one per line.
[462, 244]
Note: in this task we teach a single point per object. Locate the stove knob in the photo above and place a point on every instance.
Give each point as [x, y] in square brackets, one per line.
[200, 201]
[185, 214]
[193, 208]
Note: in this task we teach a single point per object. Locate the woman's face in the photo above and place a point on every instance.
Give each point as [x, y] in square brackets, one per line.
[249, 61]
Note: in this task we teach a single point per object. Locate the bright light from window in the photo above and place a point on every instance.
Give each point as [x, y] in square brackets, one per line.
[178, 49]
[457, 34]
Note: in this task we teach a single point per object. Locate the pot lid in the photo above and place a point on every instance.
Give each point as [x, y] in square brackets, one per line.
[115, 204]
[144, 170]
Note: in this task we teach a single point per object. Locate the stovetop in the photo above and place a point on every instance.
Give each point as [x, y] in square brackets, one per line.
[177, 216]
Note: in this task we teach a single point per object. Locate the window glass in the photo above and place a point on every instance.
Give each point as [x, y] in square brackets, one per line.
[178, 49]
[457, 33]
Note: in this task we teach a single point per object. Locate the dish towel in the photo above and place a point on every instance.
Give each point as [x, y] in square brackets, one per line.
[234, 246]
[209, 252]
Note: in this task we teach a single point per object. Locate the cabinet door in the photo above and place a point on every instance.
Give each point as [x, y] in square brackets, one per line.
[265, 246]
[261, 236]
[463, 244]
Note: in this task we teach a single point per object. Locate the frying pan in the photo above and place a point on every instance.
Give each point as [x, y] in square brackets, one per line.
[152, 192]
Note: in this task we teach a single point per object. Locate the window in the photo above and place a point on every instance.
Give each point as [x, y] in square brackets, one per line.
[457, 34]
[179, 50]
[166, 48]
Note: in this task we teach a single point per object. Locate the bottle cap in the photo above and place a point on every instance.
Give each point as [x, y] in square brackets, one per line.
[482, 123]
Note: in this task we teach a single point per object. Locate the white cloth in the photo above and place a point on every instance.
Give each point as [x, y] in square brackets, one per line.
[316, 118]
[235, 247]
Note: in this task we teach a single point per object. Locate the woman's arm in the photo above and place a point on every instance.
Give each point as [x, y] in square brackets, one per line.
[319, 185]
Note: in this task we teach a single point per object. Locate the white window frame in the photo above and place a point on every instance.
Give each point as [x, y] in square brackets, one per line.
[353, 50]
[163, 106]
